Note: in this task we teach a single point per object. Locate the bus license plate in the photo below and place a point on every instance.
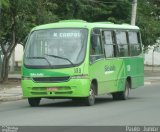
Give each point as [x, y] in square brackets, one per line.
[52, 89]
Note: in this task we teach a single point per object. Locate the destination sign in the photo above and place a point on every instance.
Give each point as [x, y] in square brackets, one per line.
[66, 35]
[58, 34]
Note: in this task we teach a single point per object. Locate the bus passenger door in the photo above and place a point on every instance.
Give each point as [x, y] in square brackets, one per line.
[97, 60]
[113, 68]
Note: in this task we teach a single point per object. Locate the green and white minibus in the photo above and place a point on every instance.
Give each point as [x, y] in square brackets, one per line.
[79, 60]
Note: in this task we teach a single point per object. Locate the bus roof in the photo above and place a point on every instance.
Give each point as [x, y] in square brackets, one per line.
[84, 24]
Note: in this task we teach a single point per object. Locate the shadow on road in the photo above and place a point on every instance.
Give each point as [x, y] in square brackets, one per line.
[71, 103]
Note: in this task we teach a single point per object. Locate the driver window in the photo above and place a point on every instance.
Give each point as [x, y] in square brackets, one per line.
[96, 48]
[96, 51]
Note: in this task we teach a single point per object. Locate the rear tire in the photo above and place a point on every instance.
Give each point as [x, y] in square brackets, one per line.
[124, 95]
[115, 96]
[90, 100]
[34, 101]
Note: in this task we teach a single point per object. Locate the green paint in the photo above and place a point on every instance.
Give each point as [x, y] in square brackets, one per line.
[110, 73]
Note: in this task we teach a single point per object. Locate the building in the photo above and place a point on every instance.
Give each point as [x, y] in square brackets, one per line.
[152, 58]
[18, 54]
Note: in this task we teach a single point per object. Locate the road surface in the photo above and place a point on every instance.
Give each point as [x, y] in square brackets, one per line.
[142, 108]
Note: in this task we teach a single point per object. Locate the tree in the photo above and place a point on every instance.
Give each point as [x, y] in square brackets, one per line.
[148, 22]
[17, 19]
[9, 22]
[12, 30]
[3, 3]
[19, 16]
[94, 10]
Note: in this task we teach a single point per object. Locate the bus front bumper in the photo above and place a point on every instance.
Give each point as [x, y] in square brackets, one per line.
[72, 88]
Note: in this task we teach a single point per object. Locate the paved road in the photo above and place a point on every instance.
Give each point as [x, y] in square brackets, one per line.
[143, 108]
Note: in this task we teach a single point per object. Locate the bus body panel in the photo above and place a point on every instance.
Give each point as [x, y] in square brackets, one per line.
[72, 87]
[110, 73]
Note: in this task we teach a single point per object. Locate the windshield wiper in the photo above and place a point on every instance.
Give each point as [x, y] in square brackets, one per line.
[55, 56]
[39, 57]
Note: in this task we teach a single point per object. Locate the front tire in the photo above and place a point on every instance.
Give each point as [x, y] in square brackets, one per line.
[34, 101]
[90, 100]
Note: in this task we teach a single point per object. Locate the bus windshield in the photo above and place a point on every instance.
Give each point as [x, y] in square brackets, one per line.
[56, 48]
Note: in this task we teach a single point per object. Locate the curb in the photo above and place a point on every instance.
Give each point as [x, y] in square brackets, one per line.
[14, 76]
[10, 98]
[11, 94]
[147, 83]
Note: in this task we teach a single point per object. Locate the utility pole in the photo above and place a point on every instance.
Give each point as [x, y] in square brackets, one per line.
[134, 11]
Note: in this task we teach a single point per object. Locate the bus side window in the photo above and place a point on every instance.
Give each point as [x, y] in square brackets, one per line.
[134, 41]
[121, 39]
[96, 51]
[109, 44]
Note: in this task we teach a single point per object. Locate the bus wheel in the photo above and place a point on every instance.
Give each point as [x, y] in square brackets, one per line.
[125, 94]
[34, 101]
[115, 96]
[90, 100]
[122, 95]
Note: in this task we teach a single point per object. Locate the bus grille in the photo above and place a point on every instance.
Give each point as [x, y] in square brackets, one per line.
[51, 79]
